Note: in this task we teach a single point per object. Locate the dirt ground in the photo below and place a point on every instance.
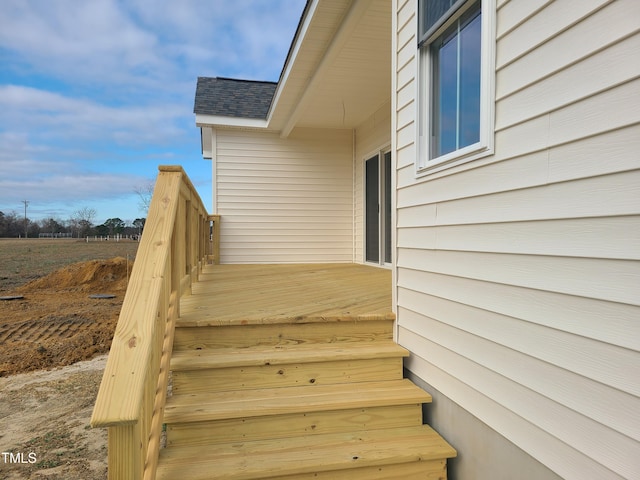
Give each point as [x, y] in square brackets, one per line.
[46, 396]
[56, 322]
[45, 424]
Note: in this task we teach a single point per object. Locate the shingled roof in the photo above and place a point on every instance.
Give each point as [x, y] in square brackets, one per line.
[229, 97]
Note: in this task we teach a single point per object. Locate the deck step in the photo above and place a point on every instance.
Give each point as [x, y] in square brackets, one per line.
[283, 354]
[294, 424]
[410, 452]
[277, 401]
[291, 331]
[200, 419]
[200, 371]
[291, 372]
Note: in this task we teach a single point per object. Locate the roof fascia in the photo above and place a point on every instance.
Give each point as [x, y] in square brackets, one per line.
[220, 120]
[355, 13]
[310, 9]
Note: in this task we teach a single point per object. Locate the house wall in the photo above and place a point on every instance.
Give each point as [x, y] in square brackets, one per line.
[284, 200]
[370, 137]
[518, 274]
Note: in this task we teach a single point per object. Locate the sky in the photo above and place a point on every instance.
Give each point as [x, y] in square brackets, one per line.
[95, 94]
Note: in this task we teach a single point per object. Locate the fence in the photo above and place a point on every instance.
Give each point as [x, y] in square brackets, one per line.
[55, 235]
[111, 238]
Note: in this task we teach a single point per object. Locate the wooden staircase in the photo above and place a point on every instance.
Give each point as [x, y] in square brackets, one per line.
[281, 371]
[295, 398]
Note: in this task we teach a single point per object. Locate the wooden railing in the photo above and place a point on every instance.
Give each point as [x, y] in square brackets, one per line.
[176, 241]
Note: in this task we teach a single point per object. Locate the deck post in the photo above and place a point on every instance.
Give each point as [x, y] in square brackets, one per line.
[215, 238]
[126, 456]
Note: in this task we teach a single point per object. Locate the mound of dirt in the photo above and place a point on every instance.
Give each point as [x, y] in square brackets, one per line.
[56, 323]
[92, 277]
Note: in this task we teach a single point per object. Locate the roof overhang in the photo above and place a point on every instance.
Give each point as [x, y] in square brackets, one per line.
[220, 120]
[337, 73]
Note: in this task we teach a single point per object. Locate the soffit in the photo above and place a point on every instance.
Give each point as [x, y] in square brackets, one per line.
[341, 73]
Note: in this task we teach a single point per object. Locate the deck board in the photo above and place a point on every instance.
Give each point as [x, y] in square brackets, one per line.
[259, 294]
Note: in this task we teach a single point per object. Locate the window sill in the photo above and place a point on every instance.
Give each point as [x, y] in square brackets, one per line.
[453, 159]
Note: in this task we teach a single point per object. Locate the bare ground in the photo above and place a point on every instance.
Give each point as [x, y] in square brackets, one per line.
[45, 422]
[53, 343]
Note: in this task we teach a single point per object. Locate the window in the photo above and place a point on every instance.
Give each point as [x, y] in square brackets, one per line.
[456, 81]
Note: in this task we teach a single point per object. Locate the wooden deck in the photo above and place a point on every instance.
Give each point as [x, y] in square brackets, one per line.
[277, 371]
[262, 294]
[291, 371]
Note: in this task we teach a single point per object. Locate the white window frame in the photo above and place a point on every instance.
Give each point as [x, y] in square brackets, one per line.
[484, 147]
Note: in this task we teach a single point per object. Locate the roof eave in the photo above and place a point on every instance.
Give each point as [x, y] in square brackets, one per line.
[223, 121]
[303, 25]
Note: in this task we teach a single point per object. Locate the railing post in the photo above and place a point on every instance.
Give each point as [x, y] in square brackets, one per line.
[215, 238]
[126, 455]
[188, 243]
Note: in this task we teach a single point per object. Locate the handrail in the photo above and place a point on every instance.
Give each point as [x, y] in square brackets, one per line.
[175, 243]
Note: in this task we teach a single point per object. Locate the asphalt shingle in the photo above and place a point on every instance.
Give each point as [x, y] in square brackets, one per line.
[233, 98]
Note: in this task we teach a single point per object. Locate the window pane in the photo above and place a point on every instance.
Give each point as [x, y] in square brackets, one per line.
[432, 10]
[455, 107]
[372, 221]
[446, 97]
[470, 83]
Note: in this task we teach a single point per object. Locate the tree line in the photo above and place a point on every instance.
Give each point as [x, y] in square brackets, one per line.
[79, 225]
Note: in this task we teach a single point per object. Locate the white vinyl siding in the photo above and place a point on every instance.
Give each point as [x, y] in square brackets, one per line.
[518, 274]
[285, 200]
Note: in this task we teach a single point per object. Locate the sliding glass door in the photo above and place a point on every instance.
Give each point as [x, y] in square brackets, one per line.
[377, 181]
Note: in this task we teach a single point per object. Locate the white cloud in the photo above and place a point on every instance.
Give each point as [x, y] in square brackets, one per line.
[92, 92]
[33, 112]
[141, 43]
[70, 187]
[87, 39]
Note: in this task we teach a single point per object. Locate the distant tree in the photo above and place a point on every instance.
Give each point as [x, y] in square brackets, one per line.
[82, 221]
[114, 225]
[11, 225]
[145, 192]
[33, 228]
[139, 224]
[102, 230]
[52, 226]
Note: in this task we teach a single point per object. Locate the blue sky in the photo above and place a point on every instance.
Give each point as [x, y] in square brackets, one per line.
[95, 94]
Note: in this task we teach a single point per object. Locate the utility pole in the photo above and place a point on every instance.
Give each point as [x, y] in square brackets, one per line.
[26, 203]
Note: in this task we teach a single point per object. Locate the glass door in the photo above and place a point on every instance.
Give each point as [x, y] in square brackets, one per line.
[377, 172]
[372, 209]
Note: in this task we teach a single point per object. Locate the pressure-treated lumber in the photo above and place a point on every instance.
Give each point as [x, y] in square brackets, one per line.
[295, 293]
[293, 425]
[279, 371]
[283, 354]
[199, 371]
[243, 336]
[342, 454]
[131, 398]
[270, 376]
[275, 401]
[133, 338]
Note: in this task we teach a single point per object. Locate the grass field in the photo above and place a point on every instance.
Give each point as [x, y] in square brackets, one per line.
[23, 260]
